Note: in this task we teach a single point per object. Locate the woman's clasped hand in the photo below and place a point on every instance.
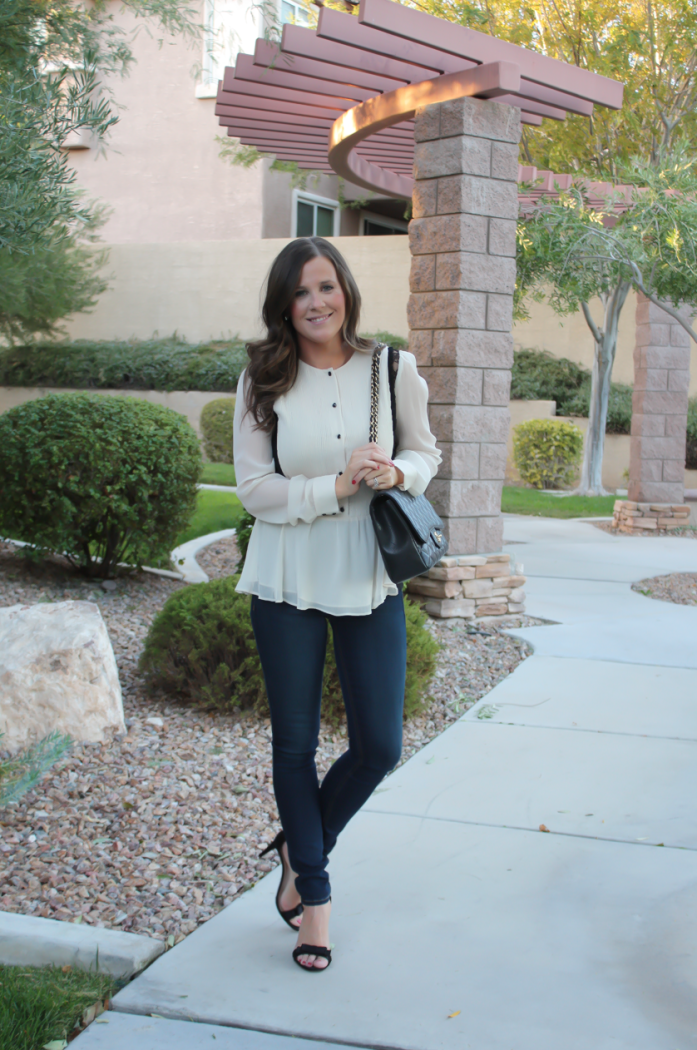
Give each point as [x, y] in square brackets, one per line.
[371, 464]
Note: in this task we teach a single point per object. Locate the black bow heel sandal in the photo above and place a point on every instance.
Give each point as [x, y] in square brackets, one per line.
[312, 949]
[290, 913]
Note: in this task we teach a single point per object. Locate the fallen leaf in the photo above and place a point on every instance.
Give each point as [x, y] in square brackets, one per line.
[66, 968]
[456, 1014]
[543, 827]
[89, 1014]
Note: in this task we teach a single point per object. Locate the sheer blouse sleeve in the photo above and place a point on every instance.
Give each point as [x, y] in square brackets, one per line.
[417, 455]
[266, 494]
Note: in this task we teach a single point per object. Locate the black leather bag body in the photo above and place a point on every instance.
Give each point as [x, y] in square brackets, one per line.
[407, 528]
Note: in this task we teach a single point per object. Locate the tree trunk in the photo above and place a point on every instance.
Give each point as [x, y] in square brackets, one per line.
[604, 358]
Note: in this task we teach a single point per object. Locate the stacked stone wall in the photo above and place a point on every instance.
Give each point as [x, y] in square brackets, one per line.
[659, 407]
[628, 515]
[471, 586]
[463, 243]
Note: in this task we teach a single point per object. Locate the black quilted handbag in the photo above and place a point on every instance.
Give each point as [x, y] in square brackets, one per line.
[408, 530]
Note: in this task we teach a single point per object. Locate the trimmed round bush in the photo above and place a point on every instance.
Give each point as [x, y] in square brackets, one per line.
[547, 452]
[216, 426]
[100, 479]
[538, 376]
[201, 648]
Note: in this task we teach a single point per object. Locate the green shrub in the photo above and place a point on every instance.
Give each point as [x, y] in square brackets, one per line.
[619, 407]
[243, 535]
[102, 479]
[201, 648]
[397, 341]
[547, 452]
[538, 376]
[691, 453]
[217, 421]
[148, 364]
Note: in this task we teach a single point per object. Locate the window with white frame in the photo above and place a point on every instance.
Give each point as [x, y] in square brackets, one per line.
[229, 26]
[314, 216]
[377, 225]
[296, 14]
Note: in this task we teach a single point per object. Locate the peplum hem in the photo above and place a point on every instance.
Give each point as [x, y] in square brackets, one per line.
[312, 565]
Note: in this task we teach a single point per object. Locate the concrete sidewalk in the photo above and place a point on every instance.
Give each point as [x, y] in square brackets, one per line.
[460, 924]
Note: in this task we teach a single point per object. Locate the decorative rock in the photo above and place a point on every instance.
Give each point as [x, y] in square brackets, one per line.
[435, 588]
[472, 559]
[449, 607]
[57, 672]
[477, 588]
[457, 572]
[492, 609]
[496, 569]
[511, 581]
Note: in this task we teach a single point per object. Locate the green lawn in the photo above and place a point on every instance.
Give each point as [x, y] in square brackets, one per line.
[214, 511]
[545, 505]
[218, 474]
[40, 1006]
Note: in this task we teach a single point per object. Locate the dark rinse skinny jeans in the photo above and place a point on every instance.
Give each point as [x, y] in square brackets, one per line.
[371, 654]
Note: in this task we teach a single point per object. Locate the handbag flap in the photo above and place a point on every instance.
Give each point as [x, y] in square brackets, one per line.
[418, 513]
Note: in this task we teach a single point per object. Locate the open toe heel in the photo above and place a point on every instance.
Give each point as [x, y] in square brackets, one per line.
[312, 949]
[289, 913]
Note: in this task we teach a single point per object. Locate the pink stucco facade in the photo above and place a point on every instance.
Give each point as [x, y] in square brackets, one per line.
[161, 177]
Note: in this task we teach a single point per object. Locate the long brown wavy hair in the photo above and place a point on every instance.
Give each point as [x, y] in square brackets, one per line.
[273, 360]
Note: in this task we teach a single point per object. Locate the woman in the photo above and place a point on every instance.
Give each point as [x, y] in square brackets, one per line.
[306, 472]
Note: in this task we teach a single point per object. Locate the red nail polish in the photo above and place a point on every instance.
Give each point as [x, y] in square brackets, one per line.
[353, 482]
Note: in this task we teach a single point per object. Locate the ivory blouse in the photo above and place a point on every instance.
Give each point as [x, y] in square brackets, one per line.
[307, 547]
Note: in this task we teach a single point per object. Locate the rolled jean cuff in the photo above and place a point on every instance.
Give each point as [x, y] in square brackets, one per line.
[315, 904]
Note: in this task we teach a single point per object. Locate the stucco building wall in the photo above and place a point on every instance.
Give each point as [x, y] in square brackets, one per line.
[160, 174]
[212, 289]
[208, 289]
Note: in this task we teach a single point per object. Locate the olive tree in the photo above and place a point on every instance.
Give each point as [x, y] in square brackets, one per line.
[57, 60]
[644, 237]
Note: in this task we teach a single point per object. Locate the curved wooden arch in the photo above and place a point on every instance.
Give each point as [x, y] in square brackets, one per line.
[342, 97]
[384, 111]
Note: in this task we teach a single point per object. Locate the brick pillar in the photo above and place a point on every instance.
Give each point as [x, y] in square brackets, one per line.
[659, 406]
[462, 239]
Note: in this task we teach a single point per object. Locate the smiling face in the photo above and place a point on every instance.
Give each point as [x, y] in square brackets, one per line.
[318, 308]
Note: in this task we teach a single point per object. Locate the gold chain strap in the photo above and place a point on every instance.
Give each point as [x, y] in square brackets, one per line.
[375, 393]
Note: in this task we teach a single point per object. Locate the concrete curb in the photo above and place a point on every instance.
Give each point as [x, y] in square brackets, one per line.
[185, 556]
[26, 940]
[219, 488]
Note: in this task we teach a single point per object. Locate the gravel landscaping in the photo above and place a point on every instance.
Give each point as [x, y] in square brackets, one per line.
[157, 829]
[677, 587]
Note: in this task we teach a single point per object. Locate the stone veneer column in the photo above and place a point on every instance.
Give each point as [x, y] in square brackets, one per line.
[463, 241]
[659, 406]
